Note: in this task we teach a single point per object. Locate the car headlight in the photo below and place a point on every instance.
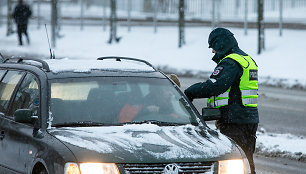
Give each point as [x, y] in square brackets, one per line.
[91, 168]
[231, 167]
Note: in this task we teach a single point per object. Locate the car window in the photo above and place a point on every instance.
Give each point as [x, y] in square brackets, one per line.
[7, 87]
[117, 100]
[2, 72]
[27, 96]
[72, 90]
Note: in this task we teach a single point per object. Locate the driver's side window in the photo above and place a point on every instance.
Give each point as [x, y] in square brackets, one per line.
[27, 96]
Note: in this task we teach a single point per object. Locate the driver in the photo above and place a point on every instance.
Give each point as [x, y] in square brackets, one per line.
[157, 101]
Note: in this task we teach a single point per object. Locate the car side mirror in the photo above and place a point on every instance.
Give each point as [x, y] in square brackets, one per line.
[209, 114]
[24, 116]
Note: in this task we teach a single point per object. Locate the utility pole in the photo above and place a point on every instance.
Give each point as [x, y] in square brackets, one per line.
[260, 26]
[181, 23]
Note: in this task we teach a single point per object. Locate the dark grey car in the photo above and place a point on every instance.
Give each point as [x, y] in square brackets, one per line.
[111, 115]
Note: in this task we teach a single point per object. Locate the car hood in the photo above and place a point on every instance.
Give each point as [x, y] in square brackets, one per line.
[136, 143]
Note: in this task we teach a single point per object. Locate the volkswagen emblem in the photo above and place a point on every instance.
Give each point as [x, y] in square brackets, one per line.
[171, 169]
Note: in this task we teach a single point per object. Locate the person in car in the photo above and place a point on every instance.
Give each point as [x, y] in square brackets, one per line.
[156, 102]
[232, 88]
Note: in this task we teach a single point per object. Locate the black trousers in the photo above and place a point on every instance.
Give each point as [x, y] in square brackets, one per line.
[22, 29]
[245, 136]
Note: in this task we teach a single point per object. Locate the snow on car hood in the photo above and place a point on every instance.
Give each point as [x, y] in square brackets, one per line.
[146, 141]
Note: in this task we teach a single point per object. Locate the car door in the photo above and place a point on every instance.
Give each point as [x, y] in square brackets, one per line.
[7, 87]
[19, 140]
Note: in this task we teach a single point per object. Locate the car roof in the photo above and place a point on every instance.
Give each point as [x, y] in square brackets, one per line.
[103, 66]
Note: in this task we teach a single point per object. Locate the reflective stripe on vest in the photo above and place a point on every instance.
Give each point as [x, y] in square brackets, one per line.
[248, 84]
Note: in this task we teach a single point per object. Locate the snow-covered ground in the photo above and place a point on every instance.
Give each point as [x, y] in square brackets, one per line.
[282, 63]
[279, 145]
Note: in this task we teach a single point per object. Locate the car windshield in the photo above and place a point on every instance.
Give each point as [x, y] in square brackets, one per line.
[116, 100]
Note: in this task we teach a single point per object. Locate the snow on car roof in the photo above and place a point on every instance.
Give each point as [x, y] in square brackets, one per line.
[86, 65]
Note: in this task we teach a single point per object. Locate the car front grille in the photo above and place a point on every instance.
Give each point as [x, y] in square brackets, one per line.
[184, 168]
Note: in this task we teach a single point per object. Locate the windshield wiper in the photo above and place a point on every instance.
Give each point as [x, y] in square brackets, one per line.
[81, 124]
[159, 123]
[189, 110]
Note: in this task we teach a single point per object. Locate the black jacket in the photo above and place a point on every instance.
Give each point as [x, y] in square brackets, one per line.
[226, 74]
[22, 14]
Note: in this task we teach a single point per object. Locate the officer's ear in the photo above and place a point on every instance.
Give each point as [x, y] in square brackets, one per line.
[175, 79]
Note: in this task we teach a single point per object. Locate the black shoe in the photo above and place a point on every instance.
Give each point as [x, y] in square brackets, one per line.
[118, 39]
[109, 41]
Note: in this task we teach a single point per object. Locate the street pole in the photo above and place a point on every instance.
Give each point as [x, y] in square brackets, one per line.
[280, 17]
[245, 17]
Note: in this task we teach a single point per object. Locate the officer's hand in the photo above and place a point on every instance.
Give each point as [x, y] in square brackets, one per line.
[217, 124]
[188, 95]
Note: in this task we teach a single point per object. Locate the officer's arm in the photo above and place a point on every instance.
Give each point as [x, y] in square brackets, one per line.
[221, 79]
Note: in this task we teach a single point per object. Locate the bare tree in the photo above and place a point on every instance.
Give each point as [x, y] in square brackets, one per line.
[181, 22]
[9, 30]
[53, 22]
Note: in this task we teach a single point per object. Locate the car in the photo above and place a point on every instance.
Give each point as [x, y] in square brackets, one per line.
[108, 115]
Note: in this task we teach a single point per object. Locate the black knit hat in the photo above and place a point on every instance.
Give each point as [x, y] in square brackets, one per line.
[222, 40]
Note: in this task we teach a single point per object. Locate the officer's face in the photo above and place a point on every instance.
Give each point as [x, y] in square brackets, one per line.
[213, 51]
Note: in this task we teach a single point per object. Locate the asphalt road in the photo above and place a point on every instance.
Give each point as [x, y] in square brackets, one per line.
[280, 111]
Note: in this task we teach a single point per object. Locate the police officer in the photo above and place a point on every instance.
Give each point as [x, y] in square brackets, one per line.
[232, 88]
[21, 15]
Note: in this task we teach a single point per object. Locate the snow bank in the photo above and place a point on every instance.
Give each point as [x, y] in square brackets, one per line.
[281, 145]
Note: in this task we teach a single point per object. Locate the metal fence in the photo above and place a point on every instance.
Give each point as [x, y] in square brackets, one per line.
[219, 10]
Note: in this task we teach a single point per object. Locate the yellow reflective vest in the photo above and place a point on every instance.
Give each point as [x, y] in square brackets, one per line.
[248, 84]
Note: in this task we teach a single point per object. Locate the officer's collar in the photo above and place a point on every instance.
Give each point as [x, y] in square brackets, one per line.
[217, 58]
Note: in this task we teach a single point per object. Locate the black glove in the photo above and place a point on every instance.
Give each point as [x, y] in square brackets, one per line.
[188, 95]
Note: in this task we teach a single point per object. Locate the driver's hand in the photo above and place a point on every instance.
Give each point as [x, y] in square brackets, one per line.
[153, 108]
